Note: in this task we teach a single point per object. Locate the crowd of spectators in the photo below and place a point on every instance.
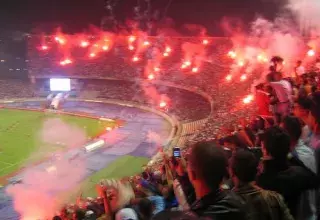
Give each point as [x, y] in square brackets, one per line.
[246, 162]
[265, 167]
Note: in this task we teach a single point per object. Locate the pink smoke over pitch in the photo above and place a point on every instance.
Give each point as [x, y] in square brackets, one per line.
[38, 196]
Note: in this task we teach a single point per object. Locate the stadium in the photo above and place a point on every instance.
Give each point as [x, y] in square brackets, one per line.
[106, 124]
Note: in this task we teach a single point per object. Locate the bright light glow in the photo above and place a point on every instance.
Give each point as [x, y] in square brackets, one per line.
[156, 69]
[60, 40]
[165, 54]
[232, 54]
[168, 49]
[195, 69]
[84, 44]
[108, 129]
[92, 54]
[229, 77]
[131, 47]
[96, 45]
[183, 66]
[240, 63]
[60, 85]
[105, 48]
[248, 99]
[132, 38]
[243, 77]
[44, 47]
[205, 42]
[65, 62]
[146, 43]
[262, 58]
[187, 63]
[2, 61]
[135, 59]
[150, 76]
[311, 53]
[162, 104]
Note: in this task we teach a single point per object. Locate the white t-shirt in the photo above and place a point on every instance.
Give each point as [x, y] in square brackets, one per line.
[283, 90]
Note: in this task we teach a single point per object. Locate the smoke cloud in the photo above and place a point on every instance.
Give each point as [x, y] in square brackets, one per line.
[37, 197]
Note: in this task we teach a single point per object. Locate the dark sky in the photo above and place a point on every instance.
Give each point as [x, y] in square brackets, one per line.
[76, 15]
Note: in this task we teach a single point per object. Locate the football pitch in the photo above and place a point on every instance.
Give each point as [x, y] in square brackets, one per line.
[21, 145]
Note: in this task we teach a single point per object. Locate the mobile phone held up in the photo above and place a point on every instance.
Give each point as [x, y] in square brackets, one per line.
[176, 152]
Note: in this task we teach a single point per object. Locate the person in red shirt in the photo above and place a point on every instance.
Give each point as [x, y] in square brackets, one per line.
[263, 101]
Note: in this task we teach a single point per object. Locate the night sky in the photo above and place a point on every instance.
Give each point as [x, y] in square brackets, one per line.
[75, 15]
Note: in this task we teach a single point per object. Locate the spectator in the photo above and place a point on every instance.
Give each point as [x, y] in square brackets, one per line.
[302, 110]
[314, 121]
[183, 180]
[262, 100]
[277, 175]
[126, 214]
[207, 166]
[283, 91]
[261, 204]
[298, 148]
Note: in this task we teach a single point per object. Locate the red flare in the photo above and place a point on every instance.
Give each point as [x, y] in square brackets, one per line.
[132, 39]
[131, 47]
[84, 44]
[92, 55]
[195, 69]
[311, 53]
[243, 77]
[44, 47]
[135, 59]
[168, 50]
[205, 41]
[150, 76]
[162, 104]
[229, 77]
[105, 48]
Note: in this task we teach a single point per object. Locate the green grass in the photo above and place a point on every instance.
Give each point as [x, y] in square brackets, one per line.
[19, 135]
[124, 166]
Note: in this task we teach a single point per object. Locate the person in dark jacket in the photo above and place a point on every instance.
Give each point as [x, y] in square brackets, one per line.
[260, 204]
[207, 166]
[277, 175]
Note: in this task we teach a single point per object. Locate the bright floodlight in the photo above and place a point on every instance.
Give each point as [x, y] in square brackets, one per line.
[60, 85]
